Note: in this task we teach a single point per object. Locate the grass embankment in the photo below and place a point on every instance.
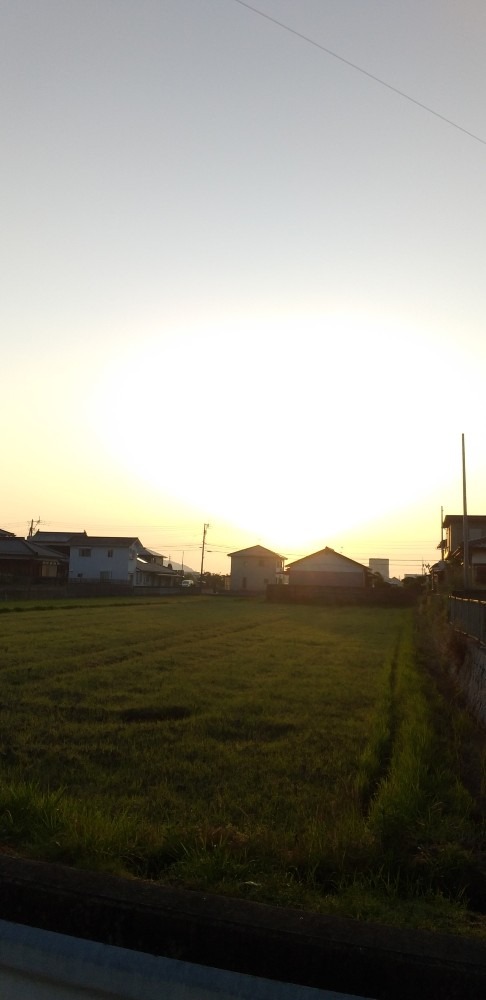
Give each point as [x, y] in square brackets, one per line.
[288, 754]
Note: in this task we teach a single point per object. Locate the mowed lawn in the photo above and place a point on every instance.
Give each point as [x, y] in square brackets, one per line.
[216, 743]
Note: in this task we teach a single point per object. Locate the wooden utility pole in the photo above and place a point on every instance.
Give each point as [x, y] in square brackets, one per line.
[206, 526]
[464, 518]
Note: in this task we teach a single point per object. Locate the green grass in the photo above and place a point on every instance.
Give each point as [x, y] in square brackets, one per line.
[293, 755]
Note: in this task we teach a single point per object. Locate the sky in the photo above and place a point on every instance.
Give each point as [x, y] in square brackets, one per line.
[242, 256]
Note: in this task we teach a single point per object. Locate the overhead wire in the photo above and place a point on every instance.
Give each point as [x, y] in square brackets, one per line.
[359, 69]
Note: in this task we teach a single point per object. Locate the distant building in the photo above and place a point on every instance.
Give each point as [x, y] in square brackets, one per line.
[327, 568]
[254, 568]
[381, 566]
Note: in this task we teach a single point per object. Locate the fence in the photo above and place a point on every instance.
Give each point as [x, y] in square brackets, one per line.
[468, 615]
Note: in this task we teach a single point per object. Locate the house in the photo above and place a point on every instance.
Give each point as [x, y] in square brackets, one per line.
[22, 562]
[450, 569]
[453, 572]
[454, 529]
[111, 559]
[254, 568]
[327, 568]
[151, 572]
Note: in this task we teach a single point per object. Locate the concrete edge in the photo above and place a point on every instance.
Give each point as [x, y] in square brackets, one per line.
[282, 944]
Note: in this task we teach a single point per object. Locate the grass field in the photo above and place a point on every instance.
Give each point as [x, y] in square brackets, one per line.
[293, 755]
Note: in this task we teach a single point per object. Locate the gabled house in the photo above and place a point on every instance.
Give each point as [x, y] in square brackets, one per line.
[23, 562]
[252, 569]
[328, 568]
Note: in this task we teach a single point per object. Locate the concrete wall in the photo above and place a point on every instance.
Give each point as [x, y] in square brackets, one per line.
[471, 678]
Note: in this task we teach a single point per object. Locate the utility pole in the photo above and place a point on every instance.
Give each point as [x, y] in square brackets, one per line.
[464, 519]
[206, 526]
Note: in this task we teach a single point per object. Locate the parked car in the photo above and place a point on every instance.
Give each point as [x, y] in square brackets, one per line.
[187, 583]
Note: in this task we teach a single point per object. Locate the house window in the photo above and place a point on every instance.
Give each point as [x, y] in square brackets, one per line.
[110, 553]
[105, 574]
[85, 552]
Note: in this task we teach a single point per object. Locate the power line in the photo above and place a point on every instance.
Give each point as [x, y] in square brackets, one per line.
[359, 69]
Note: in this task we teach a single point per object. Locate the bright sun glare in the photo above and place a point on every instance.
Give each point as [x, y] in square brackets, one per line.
[266, 425]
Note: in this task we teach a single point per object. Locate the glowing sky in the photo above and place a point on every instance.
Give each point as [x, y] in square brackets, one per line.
[242, 282]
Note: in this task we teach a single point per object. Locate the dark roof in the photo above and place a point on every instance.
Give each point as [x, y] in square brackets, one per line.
[59, 537]
[6, 534]
[81, 538]
[19, 548]
[472, 519]
[327, 550]
[144, 552]
[156, 568]
[111, 541]
[256, 550]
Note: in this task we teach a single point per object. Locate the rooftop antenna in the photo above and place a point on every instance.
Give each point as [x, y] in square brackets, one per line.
[32, 526]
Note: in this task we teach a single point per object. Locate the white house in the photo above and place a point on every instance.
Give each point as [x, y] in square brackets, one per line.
[327, 568]
[111, 559]
[254, 568]
[104, 559]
